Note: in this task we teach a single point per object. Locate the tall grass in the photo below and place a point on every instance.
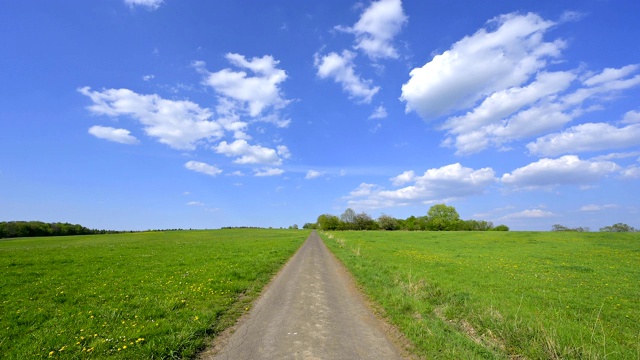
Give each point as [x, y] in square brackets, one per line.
[153, 295]
[459, 295]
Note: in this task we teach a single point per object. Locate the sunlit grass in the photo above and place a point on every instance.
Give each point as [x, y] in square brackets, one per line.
[459, 295]
[131, 296]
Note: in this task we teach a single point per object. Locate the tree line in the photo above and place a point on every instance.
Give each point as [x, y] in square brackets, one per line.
[440, 217]
[13, 229]
[619, 227]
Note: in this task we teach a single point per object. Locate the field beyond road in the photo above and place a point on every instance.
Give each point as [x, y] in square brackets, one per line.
[512, 295]
[145, 295]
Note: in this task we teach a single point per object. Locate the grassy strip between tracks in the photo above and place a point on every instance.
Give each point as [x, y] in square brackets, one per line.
[515, 295]
[152, 295]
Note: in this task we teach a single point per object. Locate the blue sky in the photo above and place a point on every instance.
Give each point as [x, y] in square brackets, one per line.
[143, 114]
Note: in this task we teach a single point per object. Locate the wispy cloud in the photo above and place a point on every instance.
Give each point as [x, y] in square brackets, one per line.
[268, 172]
[312, 174]
[122, 136]
[201, 167]
[379, 113]
[341, 69]
[529, 214]
[149, 4]
[377, 27]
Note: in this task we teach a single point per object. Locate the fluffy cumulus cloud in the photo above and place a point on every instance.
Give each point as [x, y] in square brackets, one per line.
[122, 136]
[341, 69]
[499, 78]
[249, 94]
[253, 93]
[252, 154]
[567, 170]
[181, 124]
[586, 137]
[378, 25]
[438, 184]
[479, 65]
[201, 167]
[149, 4]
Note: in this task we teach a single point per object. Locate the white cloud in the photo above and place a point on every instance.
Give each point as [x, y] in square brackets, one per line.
[180, 124]
[201, 167]
[253, 94]
[122, 136]
[283, 151]
[341, 69]
[438, 184]
[149, 4]
[594, 207]
[378, 25]
[631, 173]
[405, 177]
[195, 203]
[586, 137]
[529, 214]
[610, 74]
[490, 122]
[500, 75]
[631, 117]
[312, 174]
[379, 113]
[148, 77]
[251, 154]
[480, 65]
[566, 170]
[268, 172]
[613, 156]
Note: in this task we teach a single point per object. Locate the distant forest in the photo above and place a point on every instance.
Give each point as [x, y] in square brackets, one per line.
[13, 229]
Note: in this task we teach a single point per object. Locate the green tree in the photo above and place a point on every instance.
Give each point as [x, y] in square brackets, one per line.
[619, 227]
[477, 225]
[501, 228]
[328, 222]
[386, 222]
[363, 221]
[442, 217]
[348, 217]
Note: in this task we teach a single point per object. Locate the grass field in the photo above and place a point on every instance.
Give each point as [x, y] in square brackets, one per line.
[153, 295]
[515, 295]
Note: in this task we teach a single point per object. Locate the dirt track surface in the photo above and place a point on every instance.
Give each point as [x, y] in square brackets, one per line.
[311, 310]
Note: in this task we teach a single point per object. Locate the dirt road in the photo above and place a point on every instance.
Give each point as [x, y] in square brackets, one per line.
[311, 310]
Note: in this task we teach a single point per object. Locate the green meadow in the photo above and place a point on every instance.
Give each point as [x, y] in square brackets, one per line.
[495, 295]
[152, 295]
